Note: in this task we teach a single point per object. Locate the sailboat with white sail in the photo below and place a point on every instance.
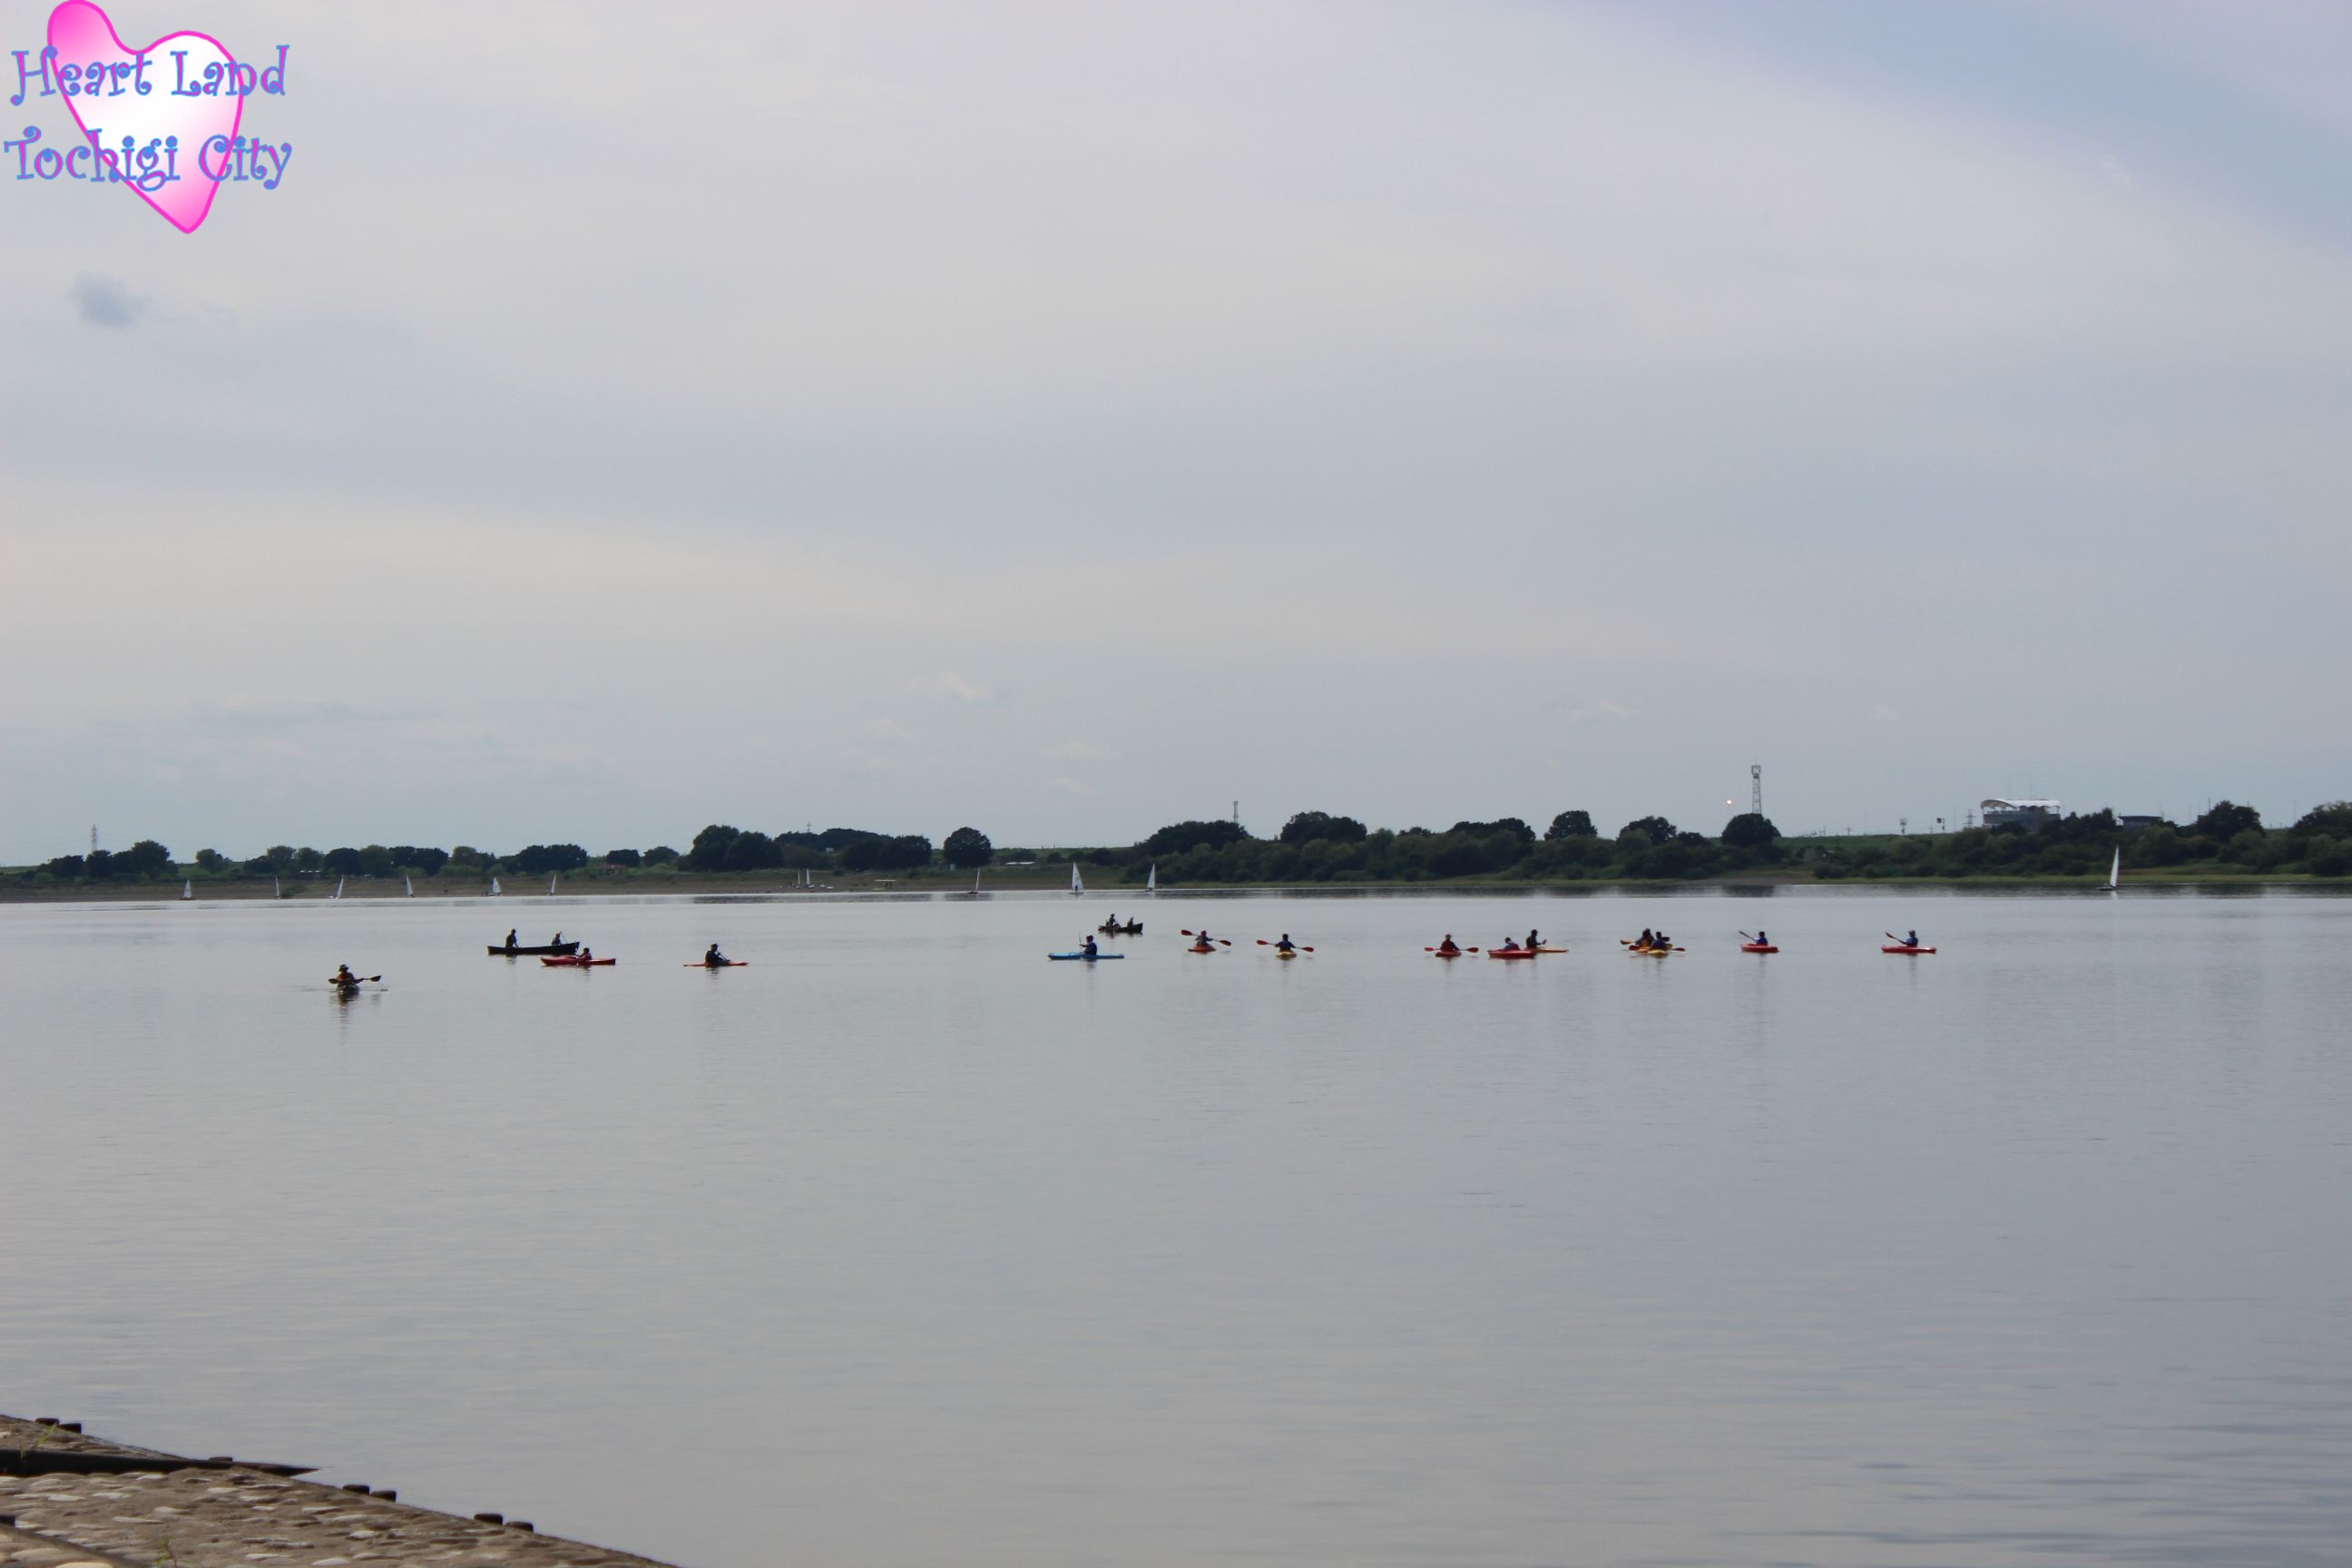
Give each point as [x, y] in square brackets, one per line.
[1151, 881]
[339, 889]
[2116, 873]
[410, 884]
[1077, 883]
[187, 889]
[551, 884]
[495, 889]
[277, 888]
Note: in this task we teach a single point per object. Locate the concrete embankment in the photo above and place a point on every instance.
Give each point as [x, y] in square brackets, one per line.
[71, 1500]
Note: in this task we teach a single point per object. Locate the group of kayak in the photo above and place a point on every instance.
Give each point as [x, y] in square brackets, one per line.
[1651, 945]
[1202, 941]
[556, 953]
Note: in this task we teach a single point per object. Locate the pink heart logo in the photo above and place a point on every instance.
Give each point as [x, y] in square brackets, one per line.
[118, 111]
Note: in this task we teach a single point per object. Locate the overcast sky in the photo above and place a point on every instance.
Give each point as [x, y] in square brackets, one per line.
[1067, 418]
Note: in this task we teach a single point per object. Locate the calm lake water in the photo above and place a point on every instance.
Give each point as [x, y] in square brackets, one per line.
[906, 1247]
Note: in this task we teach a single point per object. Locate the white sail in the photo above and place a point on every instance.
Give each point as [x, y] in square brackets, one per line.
[551, 885]
[1077, 884]
[2115, 871]
[410, 884]
[275, 889]
[1151, 881]
[495, 889]
[187, 889]
[338, 886]
[975, 884]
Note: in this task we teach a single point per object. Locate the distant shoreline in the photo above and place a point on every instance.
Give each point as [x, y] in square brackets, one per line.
[1051, 878]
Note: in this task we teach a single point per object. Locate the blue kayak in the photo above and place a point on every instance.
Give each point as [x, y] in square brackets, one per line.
[1088, 957]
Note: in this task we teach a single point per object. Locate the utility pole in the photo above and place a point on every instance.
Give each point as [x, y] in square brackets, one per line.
[1756, 788]
[93, 837]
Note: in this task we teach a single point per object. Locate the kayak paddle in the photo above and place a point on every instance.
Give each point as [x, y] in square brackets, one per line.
[1300, 946]
[1181, 931]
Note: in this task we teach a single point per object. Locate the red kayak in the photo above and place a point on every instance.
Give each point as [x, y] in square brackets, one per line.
[1443, 953]
[578, 963]
[1898, 947]
[1197, 947]
[1760, 947]
[1510, 953]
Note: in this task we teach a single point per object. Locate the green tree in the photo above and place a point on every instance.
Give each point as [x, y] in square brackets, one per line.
[629, 857]
[966, 849]
[210, 860]
[145, 859]
[1179, 837]
[2335, 819]
[1510, 824]
[1308, 827]
[711, 846]
[660, 855]
[2226, 821]
[754, 851]
[376, 860]
[1749, 830]
[306, 858]
[1572, 825]
[1656, 829]
[342, 862]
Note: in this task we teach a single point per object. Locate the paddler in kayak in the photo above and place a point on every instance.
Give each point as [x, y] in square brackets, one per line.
[1534, 941]
[1911, 941]
[1090, 950]
[1446, 948]
[511, 939]
[714, 959]
[1510, 944]
[345, 977]
[1643, 941]
[1285, 945]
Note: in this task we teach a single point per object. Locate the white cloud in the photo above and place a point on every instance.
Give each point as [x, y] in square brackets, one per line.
[950, 687]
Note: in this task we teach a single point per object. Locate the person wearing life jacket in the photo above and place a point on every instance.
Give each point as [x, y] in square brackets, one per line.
[343, 975]
[1448, 946]
[1089, 949]
[586, 954]
[1763, 938]
[1284, 945]
[1510, 944]
[1645, 940]
[1911, 941]
[714, 958]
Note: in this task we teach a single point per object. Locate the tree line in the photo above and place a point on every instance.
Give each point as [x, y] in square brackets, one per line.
[1326, 847]
[1319, 847]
